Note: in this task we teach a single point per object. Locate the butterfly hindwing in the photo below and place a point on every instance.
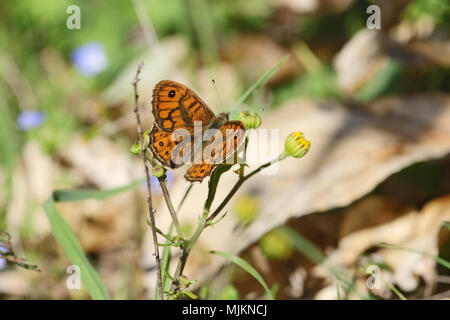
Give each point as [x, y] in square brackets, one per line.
[162, 145]
[233, 133]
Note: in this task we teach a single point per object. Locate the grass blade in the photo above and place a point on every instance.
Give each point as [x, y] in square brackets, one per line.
[166, 255]
[439, 260]
[69, 243]
[247, 267]
[395, 290]
[79, 195]
[165, 265]
[260, 82]
[303, 245]
[382, 83]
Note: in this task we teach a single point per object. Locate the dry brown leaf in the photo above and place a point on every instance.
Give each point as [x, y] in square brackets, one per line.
[359, 60]
[416, 230]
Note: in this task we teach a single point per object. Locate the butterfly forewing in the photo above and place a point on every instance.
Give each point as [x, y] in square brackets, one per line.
[175, 106]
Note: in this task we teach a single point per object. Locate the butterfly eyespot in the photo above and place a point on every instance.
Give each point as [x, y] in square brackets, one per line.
[171, 93]
[161, 143]
[167, 153]
[203, 170]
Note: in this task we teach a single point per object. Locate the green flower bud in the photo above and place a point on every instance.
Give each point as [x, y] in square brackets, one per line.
[250, 121]
[158, 171]
[137, 146]
[296, 145]
[275, 246]
[246, 209]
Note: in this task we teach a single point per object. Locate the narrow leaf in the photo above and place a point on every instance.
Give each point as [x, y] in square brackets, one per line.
[69, 243]
[213, 183]
[247, 267]
[261, 81]
[79, 195]
[439, 260]
[306, 247]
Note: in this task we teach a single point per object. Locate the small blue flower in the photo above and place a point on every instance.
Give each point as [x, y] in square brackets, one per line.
[30, 119]
[90, 59]
[3, 261]
[154, 183]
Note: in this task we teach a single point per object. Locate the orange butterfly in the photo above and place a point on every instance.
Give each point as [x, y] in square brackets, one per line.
[175, 107]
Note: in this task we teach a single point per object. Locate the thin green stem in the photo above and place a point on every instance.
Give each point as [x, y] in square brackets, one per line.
[241, 182]
[206, 220]
[171, 209]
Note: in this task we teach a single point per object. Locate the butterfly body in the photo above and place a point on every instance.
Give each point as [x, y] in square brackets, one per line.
[176, 108]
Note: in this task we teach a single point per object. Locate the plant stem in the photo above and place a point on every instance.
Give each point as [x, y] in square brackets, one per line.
[147, 176]
[168, 200]
[239, 184]
[205, 220]
[171, 209]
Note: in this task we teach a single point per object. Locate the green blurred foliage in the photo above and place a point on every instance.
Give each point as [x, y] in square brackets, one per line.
[34, 36]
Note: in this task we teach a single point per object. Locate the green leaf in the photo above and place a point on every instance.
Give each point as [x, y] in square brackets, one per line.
[166, 256]
[447, 224]
[213, 183]
[313, 253]
[72, 248]
[67, 239]
[395, 290]
[439, 260]
[261, 81]
[190, 294]
[247, 267]
[84, 194]
[165, 265]
[382, 83]
[303, 245]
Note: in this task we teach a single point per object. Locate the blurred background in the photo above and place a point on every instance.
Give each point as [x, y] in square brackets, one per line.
[375, 105]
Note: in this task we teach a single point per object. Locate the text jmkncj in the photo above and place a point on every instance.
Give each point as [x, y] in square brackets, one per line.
[236, 310]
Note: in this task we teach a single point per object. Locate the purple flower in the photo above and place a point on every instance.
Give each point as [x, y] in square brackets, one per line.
[30, 119]
[90, 59]
[3, 261]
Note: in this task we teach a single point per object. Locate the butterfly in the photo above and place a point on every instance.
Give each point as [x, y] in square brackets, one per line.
[175, 107]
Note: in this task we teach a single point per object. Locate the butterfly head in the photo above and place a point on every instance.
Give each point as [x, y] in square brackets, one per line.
[218, 121]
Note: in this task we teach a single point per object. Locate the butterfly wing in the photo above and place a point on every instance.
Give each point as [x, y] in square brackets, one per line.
[197, 172]
[162, 145]
[233, 133]
[175, 106]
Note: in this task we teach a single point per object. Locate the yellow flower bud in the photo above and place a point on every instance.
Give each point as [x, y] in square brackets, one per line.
[246, 209]
[250, 121]
[158, 171]
[296, 145]
[275, 246]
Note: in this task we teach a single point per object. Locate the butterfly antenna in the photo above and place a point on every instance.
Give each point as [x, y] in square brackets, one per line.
[218, 94]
